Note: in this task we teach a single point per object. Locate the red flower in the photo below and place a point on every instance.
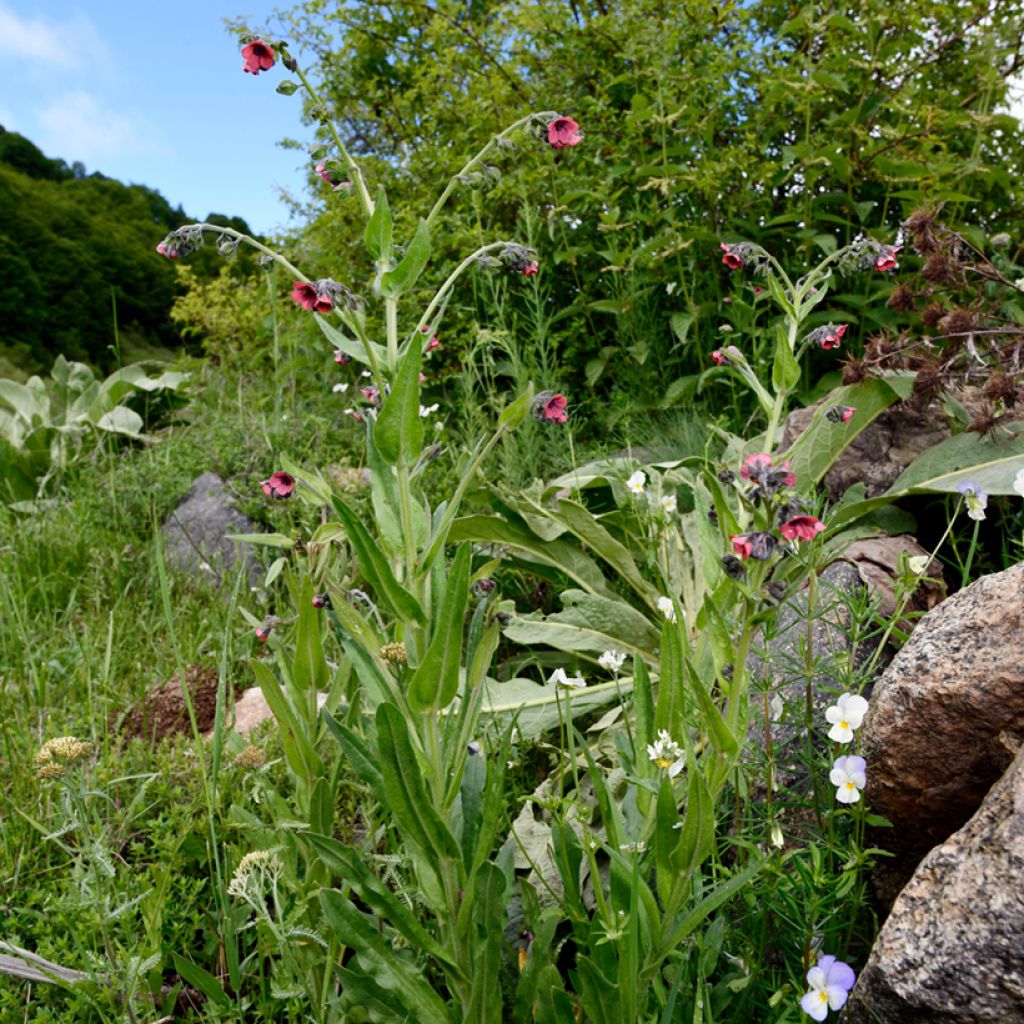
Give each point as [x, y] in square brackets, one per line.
[840, 413]
[530, 269]
[434, 344]
[340, 358]
[258, 57]
[262, 632]
[549, 407]
[887, 258]
[741, 546]
[280, 485]
[801, 528]
[832, 338]
[718, 357]
[564, 132]
[731, 258]
[310, 299]
[321, 601]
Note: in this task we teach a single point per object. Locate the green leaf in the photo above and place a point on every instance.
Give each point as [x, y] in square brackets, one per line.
[681, 324]
[514, 413]
[194, 975]
[407, 796]
[785, 368]
[364, 761]
[270, 540]
[436, 679]
[353, 349]
[489, 913]
[298, 750]
[375, 567]
[402, 979]
[720, 733]
[666, 839]
[377, 235]
[309, 668]
[404, 276]
[399, 429]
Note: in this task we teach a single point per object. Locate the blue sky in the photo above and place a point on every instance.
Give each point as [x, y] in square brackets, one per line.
[154, 94]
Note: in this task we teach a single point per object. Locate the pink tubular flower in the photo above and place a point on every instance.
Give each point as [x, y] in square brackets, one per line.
[832, 338]
[433, 344]
[321, 601]
[887, 258]
[280, 485]
[719, 358]
[262, 633]
[741, 545]
[258, 56]
[340, 358]
[801, 528]
[755, 465]
[531, 268]
[731, 259]
[310, 298]
[549, 407]
[840, 413]
[564, 132]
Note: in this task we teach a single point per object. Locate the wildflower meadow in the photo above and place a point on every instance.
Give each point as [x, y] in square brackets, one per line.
[540, 442]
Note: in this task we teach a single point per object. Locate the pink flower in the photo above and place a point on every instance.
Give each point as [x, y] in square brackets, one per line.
[262, 633]
[310, 299]
[754, 466]
[355, 414]
[757, 545]
[371, 394]
[801, 528]
[423, 377]
[280, 485]
[564, 132]
[340, 358]
[321, 601]
[719, 358]
[434, 344]
[831, 338]
[259, 56]
[887, 258]
[731, 259]
[741, 546]
[549, 407]
[531, 268]
[840, 413]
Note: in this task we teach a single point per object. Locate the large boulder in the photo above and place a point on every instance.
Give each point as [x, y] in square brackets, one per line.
[933, 734]
[196, 538]
[951, 951]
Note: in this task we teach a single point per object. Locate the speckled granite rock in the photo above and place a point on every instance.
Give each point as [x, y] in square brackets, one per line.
[932, 736]
[952, 950]
[196, 535]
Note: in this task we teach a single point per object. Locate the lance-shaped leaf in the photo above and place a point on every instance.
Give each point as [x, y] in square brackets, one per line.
[436, 679]
[404, 276]
[299, 752]
[375, 568]
[404, 788]
[309, 668]
[399, 430]
[353, 349]
[721, 735]
[377, 235]
[402, 979]
[785, 368]
[363, 760]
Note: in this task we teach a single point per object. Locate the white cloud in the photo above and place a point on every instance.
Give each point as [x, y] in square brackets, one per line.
[72, 43]
[77, 127]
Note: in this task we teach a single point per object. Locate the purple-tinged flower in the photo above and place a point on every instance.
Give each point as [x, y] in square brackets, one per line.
[371, 394]
[564, 132]
[719, 358]
[311, 298]
[755, 466]
[340, 358]
[262, 633]
[976, 499]
[849, 778]
[831, 336]
[549, 407]
[732, 257]
[801, 528]
[840, 413]
[830, 981]
[321, 601]
[280, 485]
[758, 545]
[732, 565]
[846, 716]
[258, 56]
[531, 267]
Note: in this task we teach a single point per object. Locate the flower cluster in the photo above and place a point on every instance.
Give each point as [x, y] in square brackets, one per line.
[612, 660]
[867, 254]
[55, 756]
[253, 870]
[666, 754]
[738, 255]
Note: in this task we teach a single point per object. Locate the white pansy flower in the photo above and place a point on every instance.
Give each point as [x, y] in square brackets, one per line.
[668, 504]
[637, 482]
[612, 660]
[667, 608]
[845, 716]
[849, 778]
[918, 565]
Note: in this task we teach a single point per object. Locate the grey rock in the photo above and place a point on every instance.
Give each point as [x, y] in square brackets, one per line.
[934, 734]
[196, 535]
[951, 950]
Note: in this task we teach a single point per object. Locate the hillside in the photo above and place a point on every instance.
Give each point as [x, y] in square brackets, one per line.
[73, 246]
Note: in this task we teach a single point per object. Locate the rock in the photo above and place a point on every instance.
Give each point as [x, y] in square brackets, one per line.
[932, 734]
[162, 711]
[951, 950]
[252, 709]
[196, 535]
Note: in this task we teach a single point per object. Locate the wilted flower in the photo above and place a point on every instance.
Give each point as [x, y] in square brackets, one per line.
[846, 716]
[801, 528]
[280, 485]
[549, 407]
[666, 754]
[258, 56]
[848, 777]
[612, 660]
[830, 981]
[840, 413]
[564, 132]
[637, 482]
[829, 336]
[394, 654]
[976, 498]
[251, 757]
[559, 678]
[667, 608]
[886, 259]
[733, 566]
[311, 298]
[55, 755]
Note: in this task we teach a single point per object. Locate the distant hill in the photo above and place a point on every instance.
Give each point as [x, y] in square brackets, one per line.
[72, 245]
